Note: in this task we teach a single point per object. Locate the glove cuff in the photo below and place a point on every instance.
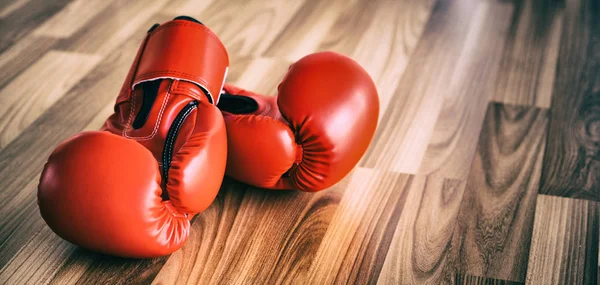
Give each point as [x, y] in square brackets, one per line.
[181, 50]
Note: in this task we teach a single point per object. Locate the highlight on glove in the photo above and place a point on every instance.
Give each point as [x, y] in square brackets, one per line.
[131, 188]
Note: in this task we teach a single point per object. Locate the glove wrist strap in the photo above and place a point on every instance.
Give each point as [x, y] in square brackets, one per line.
[181, 50]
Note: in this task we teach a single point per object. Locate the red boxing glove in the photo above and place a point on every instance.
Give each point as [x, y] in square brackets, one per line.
[131, 189]
[311, 135]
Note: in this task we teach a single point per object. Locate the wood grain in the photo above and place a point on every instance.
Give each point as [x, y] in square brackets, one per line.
[564, 245]
[25, 98]
[528, 64]
[261, 75]
[125, 271]
[22, 55]
[572, 164]
[38, 260]
[403, 23]
[187, 7]
[114, 25]
[71, 18]
[98, 120]
[454, 138]
[422, 247]
[478, 280]
[408, 119]
[322, 16]
[14, 233]
[248, 28]
[423, 109]
[359, 236]
[9, 8]
[496, 216]
[25, 18]
[278, 232]
[355, 18]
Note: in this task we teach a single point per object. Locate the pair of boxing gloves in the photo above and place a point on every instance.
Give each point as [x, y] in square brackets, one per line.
[132, 188]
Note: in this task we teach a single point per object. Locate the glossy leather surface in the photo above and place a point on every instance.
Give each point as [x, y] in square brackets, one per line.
[104, 190]
[320, 126]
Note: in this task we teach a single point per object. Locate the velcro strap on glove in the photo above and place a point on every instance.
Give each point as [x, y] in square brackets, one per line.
[181, 50]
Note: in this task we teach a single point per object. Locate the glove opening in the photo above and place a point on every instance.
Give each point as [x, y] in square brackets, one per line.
[237, 104]
[150, 91]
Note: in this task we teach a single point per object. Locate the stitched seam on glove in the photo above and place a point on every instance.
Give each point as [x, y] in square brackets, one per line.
[156, 125]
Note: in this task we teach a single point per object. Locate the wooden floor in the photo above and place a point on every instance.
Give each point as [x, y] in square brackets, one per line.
[485, 168]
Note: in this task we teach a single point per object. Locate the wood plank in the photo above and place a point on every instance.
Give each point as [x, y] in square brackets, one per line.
[263, 75]
[478, 280]
[407, 122]
[71, 18]
[496, 217]
[26, 18]
[321, 15]
[253, 236]
[355, 19]
[72, 270]
[572, 159]
[27, 97]
[39, 260]
[98, 120]
[10, 8]
[420, 132]
[187, 7]
[237, 70]
[114, 25]
[248, 28]
[100, 35]
[14, 234]
[46, 258]
[454, 137]
[359, 236]
[104, 269]
[564, 245]
[528, 64]
[22, 55]
[396, 26]
[422, 247]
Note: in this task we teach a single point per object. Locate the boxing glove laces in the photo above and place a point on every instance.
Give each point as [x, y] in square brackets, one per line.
[131, 188]
[308, 137]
